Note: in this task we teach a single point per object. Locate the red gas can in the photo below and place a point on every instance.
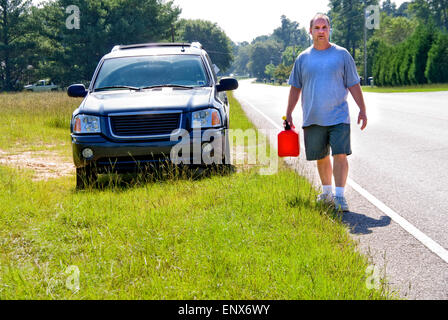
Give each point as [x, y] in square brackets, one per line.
[288, 142]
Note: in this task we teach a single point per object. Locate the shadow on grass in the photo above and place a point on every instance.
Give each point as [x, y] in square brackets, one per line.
[157, 174]
[358, 223]
[361, 224]
[309, 202]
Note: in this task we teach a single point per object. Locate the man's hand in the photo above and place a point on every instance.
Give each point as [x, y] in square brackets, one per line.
[359, 99]
[362, 117]
[294, 94]
[289, 120]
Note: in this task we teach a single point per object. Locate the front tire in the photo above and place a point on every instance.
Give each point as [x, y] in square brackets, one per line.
[226, 166]
[85, 177]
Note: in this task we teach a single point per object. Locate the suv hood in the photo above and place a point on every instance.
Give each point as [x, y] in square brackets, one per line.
[104, 103]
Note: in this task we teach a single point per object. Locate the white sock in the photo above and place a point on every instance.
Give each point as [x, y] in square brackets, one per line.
[340, 191]
[327, 189]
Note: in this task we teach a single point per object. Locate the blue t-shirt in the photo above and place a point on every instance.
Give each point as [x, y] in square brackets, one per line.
[324, 76]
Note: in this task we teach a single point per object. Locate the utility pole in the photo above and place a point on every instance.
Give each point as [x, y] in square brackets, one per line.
[365, 43]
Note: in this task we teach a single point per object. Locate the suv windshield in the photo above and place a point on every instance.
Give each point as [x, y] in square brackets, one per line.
[148, 71]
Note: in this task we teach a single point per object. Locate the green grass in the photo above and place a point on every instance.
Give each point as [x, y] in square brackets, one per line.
[416, 88]
[235, 236]
[36, 121]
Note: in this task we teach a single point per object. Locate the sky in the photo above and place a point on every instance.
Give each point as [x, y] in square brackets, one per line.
[244, 20]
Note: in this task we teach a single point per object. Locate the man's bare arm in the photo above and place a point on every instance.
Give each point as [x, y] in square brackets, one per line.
[359, 99]
[294, 94]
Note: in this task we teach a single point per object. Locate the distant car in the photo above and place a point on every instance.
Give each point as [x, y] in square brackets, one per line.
[143, 102]
[41, 85]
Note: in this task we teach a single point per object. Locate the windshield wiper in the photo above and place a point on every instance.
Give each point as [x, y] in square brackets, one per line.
[117, 87]
[167, 86]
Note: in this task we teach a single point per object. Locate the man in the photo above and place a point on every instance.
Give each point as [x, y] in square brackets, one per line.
[323, 74]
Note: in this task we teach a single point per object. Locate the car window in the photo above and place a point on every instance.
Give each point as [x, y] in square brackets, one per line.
[212, 69]
[184, 70]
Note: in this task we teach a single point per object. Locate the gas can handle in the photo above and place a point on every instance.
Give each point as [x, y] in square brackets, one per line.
[286, 124]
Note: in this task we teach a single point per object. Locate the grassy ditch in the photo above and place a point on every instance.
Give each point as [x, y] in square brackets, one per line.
[415, 88]
[235, 236]
[36, 121]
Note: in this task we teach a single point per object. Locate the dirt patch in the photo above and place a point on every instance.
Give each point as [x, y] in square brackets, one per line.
[46, 165]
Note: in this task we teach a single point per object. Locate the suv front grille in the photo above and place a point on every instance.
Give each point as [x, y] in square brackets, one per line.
[144, 125]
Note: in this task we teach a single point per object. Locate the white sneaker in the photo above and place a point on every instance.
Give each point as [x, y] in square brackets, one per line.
[340, 204]
[325, 198]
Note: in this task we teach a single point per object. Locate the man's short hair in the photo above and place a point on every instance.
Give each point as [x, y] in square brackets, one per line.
[319, 16]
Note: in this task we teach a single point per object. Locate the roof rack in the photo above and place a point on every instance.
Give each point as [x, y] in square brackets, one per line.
[196, 45]
[164, 44]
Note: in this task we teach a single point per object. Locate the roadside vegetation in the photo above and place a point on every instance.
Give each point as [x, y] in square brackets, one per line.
[36, 121]
[409, 46]
[215, 236]
[416, 88]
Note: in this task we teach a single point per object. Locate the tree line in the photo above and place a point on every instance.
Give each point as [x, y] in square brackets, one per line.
[271, 56]
[413, 48]
[38, 42]
[410, 47]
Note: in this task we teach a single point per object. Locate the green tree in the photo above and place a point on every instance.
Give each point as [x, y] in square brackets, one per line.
[437, 65]
[262, 54]
[17, 43]
[402, 10]
[405, 63]
[262, 38]
[431, 11]
[103, 24]
[290, 34]
[241, 59]
[380, 61]
[389, 8]
[347, 19]
[420, 42]
[282, 72]
[269, 70]
[213, 39]
[394, 30]
[290, 54]
[372, 49]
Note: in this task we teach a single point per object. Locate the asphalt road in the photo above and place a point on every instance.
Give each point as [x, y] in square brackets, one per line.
[401, 159]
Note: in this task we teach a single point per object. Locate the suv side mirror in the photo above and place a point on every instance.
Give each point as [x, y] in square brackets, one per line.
[77, 91]
[226, 84]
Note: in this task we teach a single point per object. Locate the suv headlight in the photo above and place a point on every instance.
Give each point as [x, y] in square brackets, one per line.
[86, 124]
[208, 118]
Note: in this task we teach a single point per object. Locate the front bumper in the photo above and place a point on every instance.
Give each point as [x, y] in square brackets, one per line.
[125, 156]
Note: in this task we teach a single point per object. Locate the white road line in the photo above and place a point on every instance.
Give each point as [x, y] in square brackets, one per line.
[406, 225]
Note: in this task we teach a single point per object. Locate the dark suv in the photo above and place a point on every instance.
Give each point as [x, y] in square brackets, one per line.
[149, 103]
